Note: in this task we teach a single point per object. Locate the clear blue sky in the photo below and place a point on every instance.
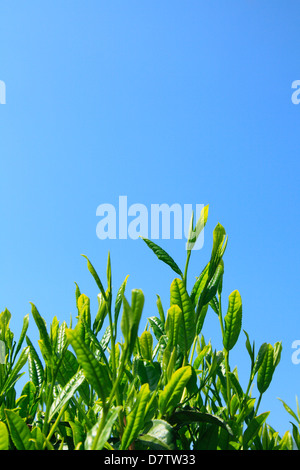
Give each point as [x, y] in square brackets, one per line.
[164, 102]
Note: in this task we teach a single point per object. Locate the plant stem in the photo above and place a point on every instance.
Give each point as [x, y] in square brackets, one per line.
[186, 267]
[48, 403]
[258, 403]
[193, 349]
[113, 360]
[227, 369]
[100, 427]
[55, 424]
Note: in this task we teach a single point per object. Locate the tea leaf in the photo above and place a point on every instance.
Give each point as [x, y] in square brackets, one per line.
[290, 411]
[200, 224]
[180, 297]
[181, 418]
[171, 395]
[233, 320]
[253, 429]
[105, 433]
[266, 369]
[44, 336]
[135, 420]
[218, 249]
[148, 372]
[14, 374]
[23, 334]
[131, 319]
[146, 344]
[66, 393]
[174, 328]
[160, 436]
[4, 436]
[118, 301]
[95, 372]
[19, 431]
[163, 256]
[95, 276]
[35, 367]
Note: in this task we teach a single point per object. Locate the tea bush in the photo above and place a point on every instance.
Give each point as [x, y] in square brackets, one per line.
[92, 388]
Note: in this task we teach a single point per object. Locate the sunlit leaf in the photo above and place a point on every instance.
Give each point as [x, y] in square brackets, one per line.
[135, 420]
[180, 297]
[19, 431]
[163, 256]
[233, 320]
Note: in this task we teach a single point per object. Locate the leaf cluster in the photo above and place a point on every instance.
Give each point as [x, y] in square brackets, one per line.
[163, 388]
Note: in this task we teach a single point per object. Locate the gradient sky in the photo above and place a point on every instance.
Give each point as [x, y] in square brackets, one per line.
[164, 102]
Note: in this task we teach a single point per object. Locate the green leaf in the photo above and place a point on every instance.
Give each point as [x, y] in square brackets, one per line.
[266, 369]
[108, 273]
[170, 397]
[253, 429]
[61, 338]
[14, 374]
[290, 411]
[28, 399]
[160, 309]
[44, 336]
[296, 436]
[200, 318]
[186, 417]
[250, 348]
[233, 320]
[66, 393]
[95, 372]
[236, 386]
[286, 443]
[157, 326]
[213, 284]
[218, 249]
[194, 233]
[199, 359]
[23, 334]
[68, 368]
[259, 358]
[199, 285]
[277, 353]
[77, 293]
[5, 318]
[101, 313]
[105, 433]
[95, 276]
[78, 432]
[163, 256]
[84, 309]
[135, 420]
[148, 372]
[4, 437]
[180, 297]
[19, 431]
[119, 298]
[131, 319]
[175, 328]
[35, 367]
[160, 436]
[210, 280]
[146, 345]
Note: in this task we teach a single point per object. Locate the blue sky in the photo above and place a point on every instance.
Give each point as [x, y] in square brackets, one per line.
[164, 102]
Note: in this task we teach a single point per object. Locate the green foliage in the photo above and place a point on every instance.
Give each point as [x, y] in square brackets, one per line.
[161, 388]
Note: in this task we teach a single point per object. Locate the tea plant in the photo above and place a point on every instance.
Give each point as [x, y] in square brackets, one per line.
[165, 388]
